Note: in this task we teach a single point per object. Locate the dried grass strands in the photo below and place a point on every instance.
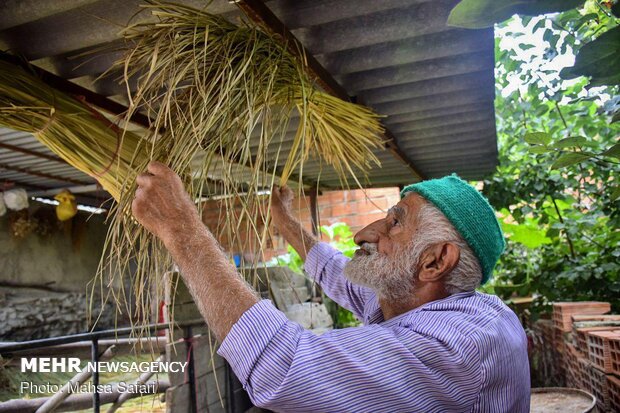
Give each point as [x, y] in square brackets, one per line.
[69, 127]
[209, 85]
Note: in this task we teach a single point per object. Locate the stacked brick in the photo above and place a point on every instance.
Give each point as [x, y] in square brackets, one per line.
[586, 345]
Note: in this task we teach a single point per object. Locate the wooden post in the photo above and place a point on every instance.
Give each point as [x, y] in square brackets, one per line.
[314, 211]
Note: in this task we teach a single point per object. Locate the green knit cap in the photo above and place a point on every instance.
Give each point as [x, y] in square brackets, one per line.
[471, 215]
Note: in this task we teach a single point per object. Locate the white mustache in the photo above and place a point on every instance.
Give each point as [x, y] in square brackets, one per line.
[370, 248]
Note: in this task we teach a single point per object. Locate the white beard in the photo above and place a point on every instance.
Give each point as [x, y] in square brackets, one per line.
[390, 278]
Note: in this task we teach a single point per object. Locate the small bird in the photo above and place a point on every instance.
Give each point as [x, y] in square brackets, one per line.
[67, 207]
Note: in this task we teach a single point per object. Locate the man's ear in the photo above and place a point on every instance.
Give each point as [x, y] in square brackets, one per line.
[438, 260]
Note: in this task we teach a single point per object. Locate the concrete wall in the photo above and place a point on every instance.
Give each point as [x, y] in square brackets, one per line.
[63, 258]
[67, 258]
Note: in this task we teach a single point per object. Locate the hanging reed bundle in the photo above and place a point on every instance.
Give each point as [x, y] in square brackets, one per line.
[221, 98]
[73, 130]
[227, 93]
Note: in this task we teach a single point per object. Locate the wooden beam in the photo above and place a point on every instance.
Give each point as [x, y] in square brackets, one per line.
[261, 14]
[392, 145]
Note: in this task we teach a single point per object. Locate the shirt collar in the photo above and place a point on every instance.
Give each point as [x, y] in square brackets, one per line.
[427, 306]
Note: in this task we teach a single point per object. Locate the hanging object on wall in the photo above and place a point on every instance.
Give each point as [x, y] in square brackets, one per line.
[21, 224]
[67, 207]
[2, 206]
[16, 199]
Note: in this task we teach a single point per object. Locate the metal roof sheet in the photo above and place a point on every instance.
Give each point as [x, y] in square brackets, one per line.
[434, 83]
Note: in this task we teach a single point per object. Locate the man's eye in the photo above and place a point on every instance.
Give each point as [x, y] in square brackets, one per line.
[396, 222]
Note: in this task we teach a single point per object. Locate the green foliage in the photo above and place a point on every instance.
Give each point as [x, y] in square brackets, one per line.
[477, 14]
[528, 233]
[598, 59]
[339, 236]
[557, 183]
[291, 259]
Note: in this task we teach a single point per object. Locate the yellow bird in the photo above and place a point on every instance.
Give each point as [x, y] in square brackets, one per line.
[67, 207]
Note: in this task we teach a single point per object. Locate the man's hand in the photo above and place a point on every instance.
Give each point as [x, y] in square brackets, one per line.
[281, 204]
[288, 226]
[162, 205]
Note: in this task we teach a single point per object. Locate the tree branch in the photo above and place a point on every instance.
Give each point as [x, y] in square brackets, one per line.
[568, 239]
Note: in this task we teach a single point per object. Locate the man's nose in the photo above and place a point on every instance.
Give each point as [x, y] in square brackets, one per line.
[370, 233]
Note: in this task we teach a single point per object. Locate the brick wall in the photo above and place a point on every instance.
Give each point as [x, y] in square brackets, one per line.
[356, 208]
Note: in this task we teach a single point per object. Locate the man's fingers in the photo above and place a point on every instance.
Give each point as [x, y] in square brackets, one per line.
[286, 193]
[158, 168]
[144, 180]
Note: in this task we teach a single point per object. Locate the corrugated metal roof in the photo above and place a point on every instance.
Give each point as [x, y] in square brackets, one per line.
[434, 83]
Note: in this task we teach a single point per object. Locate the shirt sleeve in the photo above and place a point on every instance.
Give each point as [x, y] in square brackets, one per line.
[325, 265]
[286, 368]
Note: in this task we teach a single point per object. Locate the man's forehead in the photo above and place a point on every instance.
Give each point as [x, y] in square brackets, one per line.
[411, 200]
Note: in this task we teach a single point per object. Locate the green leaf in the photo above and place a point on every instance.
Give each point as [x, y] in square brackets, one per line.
[538, 149]
[585, 19]
[526, 234]
[614, 151]
[615, 194]
[599, 59]
[615, 117]
[569, 158]
[570, 142]
[537, 138]
[541, 24]
[541, 110]
[477, 14]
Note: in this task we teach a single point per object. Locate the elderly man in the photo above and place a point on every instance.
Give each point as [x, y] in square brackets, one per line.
[429, 343]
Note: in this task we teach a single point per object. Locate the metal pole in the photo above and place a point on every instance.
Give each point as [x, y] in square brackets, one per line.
[95, 359]
[314, 211]
[190, 369]
[7, 348]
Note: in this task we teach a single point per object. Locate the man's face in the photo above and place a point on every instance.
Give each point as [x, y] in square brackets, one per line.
[388, 258]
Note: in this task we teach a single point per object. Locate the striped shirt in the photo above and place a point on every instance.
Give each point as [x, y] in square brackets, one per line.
[464, 353]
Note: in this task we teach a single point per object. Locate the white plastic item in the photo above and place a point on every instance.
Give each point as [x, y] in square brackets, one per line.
[2, 206]
[16, 199]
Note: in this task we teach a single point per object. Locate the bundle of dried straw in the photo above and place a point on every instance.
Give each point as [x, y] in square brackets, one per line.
[220, 96]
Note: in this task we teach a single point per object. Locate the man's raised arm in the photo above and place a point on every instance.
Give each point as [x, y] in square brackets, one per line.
[322, 262]
[289, 227]
[166, 210]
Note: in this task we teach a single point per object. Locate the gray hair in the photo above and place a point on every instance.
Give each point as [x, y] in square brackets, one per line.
[433, 227]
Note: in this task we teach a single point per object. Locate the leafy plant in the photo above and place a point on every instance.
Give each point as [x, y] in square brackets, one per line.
[557, 180]
[478, 14]
[598, 59]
